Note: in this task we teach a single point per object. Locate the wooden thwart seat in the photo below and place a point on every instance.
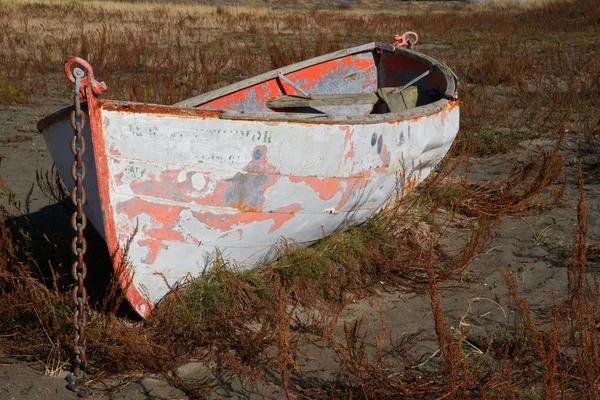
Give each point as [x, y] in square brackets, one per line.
[410, 97]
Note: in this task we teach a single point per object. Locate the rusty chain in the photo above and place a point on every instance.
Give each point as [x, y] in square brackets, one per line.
[78, 244]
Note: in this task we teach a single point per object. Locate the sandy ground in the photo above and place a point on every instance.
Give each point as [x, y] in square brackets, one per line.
[536, 248]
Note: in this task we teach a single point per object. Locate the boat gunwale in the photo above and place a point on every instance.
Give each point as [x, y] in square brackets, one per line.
[326, 119]
[303, 118]
[130, 106]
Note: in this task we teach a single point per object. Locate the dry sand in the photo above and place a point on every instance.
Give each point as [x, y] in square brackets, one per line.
[536, 248]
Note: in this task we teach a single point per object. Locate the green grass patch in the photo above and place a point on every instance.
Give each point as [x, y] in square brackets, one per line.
[201, 298]
[322, 270]
[10, 94]
[491, 141]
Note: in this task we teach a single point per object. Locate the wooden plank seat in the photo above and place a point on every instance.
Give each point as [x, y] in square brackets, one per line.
[410, 97]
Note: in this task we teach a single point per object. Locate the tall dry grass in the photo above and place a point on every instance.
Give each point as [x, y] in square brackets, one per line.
[526, 72]
[247, 323]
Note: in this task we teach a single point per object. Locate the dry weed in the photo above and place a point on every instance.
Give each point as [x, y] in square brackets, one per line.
[521, 82]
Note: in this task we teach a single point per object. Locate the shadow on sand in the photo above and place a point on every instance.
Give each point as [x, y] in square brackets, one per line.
[46, 235]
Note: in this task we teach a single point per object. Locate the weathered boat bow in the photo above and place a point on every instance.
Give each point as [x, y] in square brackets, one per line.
[293, 153]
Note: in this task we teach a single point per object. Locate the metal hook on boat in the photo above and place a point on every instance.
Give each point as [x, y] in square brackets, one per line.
[74, 63]
[408, 39]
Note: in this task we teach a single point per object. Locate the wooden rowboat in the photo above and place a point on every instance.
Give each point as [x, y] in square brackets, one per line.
[294, 154]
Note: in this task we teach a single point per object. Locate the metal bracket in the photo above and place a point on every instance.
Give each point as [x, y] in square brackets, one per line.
[88, 78]
[289, 82]
[408, 39]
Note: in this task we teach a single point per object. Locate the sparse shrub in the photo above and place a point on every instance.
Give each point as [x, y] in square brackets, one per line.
[492, 141]
[9, 94]
[522, 80]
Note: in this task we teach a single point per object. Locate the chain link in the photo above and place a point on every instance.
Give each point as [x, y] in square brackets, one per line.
[79, 243]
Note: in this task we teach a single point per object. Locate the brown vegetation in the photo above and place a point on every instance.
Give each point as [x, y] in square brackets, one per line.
[527, 73]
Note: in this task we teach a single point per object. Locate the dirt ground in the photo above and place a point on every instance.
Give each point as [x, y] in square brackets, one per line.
[536, 249]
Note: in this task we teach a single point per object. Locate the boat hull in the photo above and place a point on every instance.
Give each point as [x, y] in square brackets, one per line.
[185, 187]
[243, 171]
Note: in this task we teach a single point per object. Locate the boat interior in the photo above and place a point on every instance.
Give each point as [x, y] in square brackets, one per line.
[370, 79]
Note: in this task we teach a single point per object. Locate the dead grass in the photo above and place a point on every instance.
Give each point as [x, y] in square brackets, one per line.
[526, 71]
[247, 322]
[521, 80]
